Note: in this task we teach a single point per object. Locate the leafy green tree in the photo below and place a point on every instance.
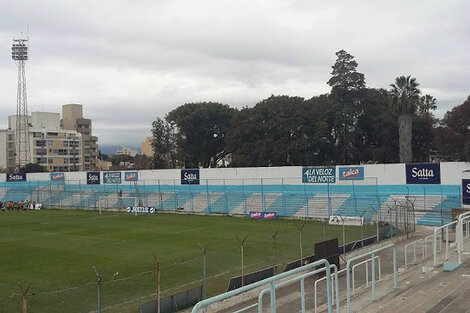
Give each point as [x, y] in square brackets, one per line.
[405, 97]
[347, 92]
[377, 129]
[452, 140]
[163, 144]
[201, 129]
[427, 104]
[283, 130]
[32, 168]
[346, 82]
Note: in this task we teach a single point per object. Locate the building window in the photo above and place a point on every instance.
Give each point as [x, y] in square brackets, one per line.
[40, 143]
[52, 134]
[10, 137]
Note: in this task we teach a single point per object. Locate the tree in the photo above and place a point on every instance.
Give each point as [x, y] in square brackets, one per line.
[283, 130]
[404, 101]
[452, 140]
[32, 168]
[163, 144]
[142, 162]
[427, 103]
[201, 129]
[377, 129]
[347, 92]
[346, 82]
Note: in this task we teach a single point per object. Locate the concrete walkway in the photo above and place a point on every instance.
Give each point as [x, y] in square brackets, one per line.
[288, 298]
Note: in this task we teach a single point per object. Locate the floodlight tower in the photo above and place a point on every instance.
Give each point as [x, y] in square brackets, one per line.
[19, 53]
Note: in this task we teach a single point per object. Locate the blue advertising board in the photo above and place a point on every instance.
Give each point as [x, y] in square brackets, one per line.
[131, 176]
[189, 177]
[93, 178]
[465, 191]
[423, 173]
[351, 173]
[112, 177]
[57, 176]
[319, 175]
[14, 177]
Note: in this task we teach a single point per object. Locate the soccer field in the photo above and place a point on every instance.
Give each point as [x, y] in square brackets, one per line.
[55, 251]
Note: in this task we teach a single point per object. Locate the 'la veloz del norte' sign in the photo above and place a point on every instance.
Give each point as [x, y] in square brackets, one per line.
[319, 175]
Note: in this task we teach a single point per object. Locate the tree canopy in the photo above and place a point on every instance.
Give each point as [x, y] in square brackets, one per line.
[352, 124]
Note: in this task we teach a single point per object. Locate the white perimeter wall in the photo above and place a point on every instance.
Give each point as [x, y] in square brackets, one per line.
[384, 174]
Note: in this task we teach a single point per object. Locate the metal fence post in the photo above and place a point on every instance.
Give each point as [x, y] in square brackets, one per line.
[208, 195]
[263, 204]
[225, 197]
[284, 202]
[373, 275]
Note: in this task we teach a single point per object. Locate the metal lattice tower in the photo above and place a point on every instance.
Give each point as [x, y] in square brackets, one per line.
[19, 53]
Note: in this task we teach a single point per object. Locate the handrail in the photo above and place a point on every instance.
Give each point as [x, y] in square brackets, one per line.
[426, 245]
[434, 240]
[372, 253]
[321, 279]
[367, 271]
[302, 287]
[462, 216]
[271, 281]
[413, 243]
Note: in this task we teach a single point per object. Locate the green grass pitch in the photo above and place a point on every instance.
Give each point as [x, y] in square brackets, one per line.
[55, 251]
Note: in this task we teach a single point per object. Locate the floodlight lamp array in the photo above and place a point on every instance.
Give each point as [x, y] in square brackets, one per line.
[19, 50]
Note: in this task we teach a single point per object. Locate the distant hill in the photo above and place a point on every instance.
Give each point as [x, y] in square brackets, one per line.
[111, 149]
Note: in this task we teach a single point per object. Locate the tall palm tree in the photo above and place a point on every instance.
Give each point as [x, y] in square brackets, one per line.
[427, 103]
[405, 101]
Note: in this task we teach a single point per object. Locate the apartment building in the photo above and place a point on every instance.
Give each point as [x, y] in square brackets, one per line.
[146, 147]
[72, 119]
[52, 146]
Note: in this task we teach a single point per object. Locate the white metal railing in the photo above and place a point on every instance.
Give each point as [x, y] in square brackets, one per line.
[301, 278]
[271, 281]
[464, 217]
[413, 244]
[333, 285]
[366, 262]
[440, 230]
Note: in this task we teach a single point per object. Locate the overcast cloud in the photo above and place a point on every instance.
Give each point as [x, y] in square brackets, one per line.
[128, 62]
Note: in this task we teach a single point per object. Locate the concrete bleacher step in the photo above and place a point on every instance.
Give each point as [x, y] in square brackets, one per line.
[432, 292]
[317, 206]
[200, 202]
[255, 203]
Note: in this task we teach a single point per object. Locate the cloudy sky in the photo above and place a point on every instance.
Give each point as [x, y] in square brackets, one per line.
[128, 62]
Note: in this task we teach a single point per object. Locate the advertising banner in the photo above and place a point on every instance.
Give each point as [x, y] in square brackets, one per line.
[423, 173]
[351, 173]
[348, 220]
[189, 177]
[57, 176]
[112, 177]
[140, 209]
[319, 175]
[465, 191]
[93, 178]
[14, 177]
[255, 215]
[131, 176]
